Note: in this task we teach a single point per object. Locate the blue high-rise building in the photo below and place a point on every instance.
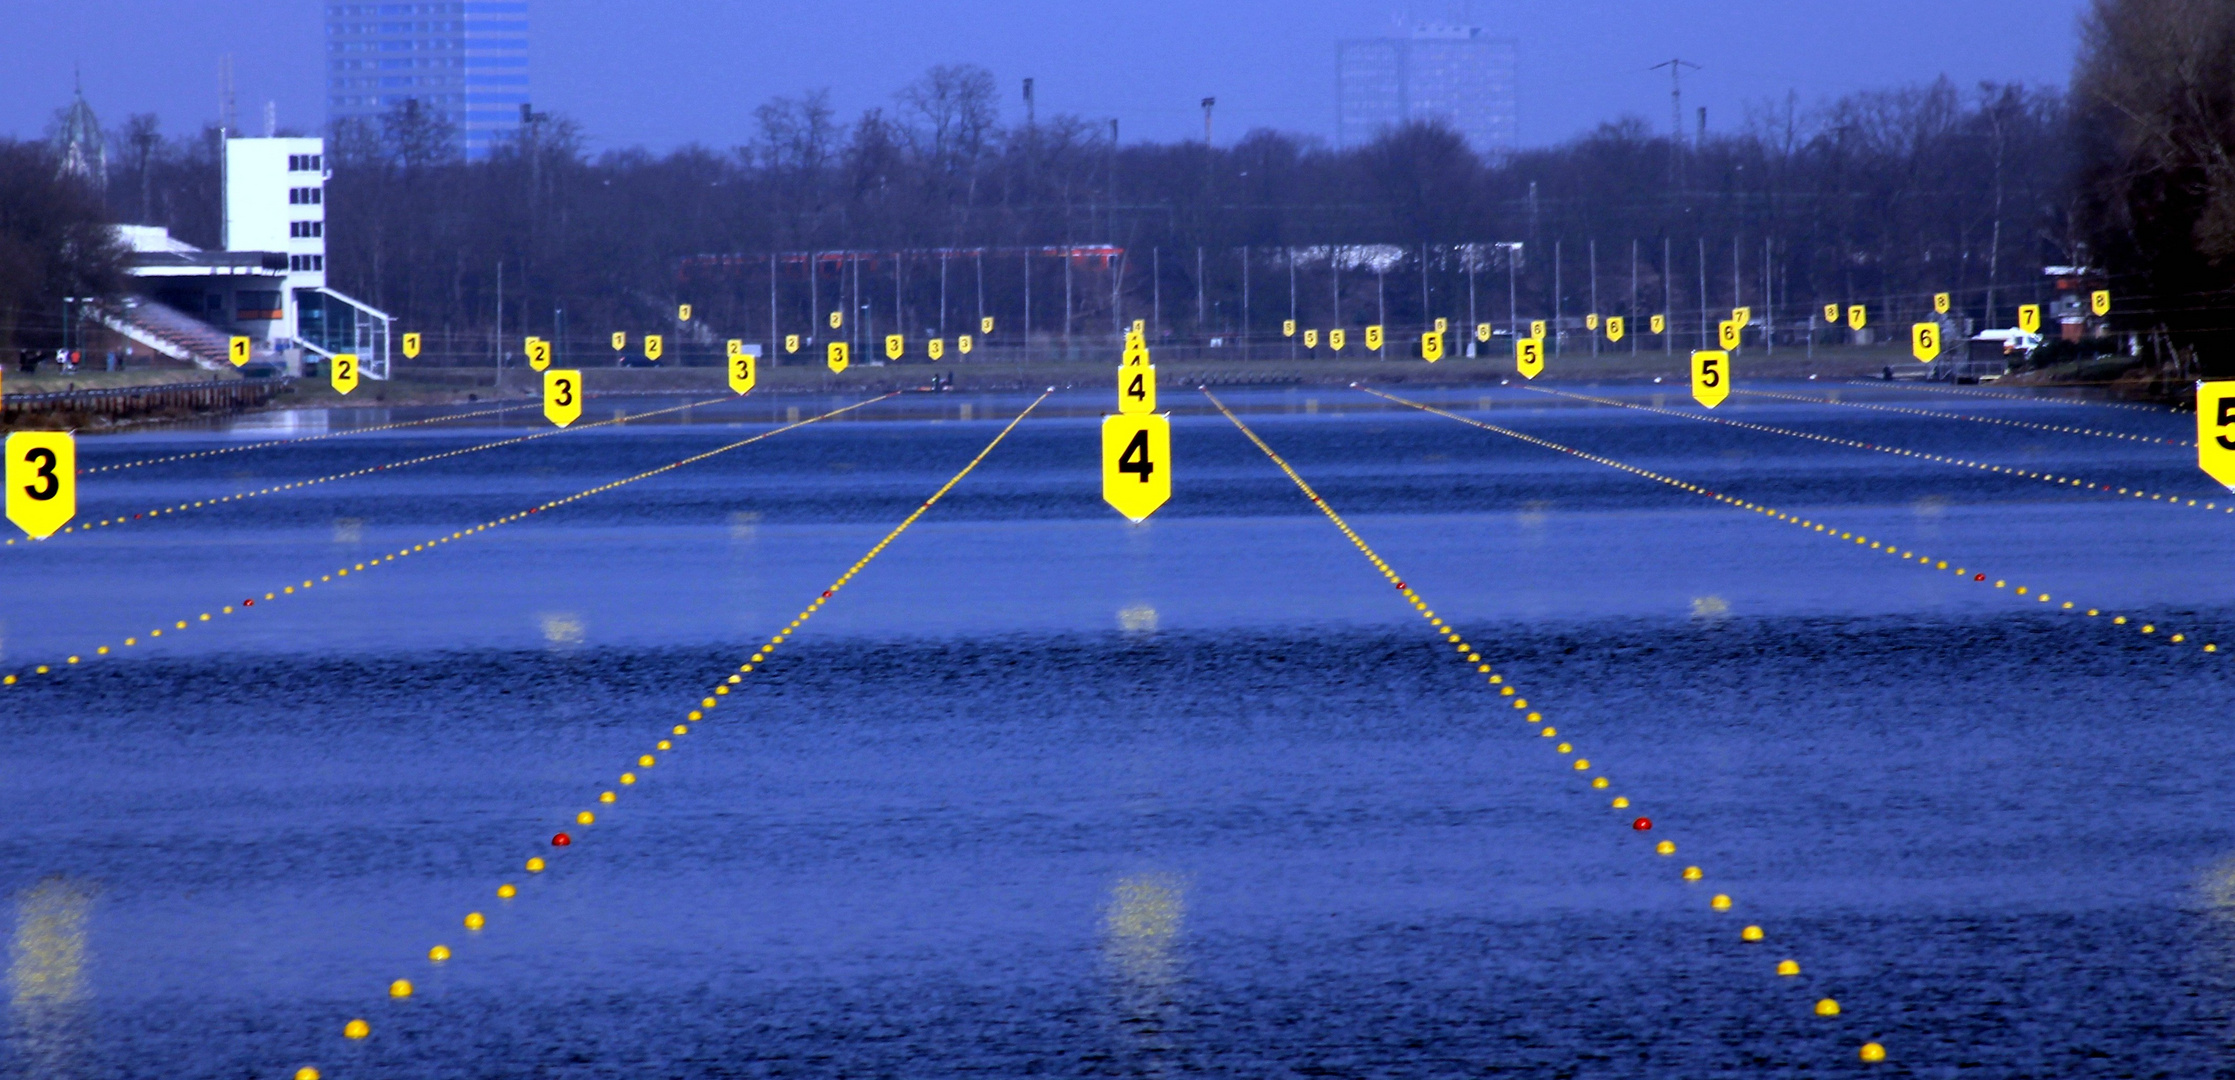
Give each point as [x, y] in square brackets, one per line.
[464, 59]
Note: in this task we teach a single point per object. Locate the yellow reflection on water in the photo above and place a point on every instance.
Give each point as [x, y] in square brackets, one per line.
[1141, 934]
[562, 628]
[1710, 608]
[1137, 619]
[48, 985]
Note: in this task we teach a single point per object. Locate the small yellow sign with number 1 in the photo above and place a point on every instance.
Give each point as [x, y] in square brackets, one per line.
[342, 372]
[42, 481]
[562, 396]
[1136, 464]
[237, 351]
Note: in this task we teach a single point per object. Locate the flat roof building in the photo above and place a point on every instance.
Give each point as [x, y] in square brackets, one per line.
[1452, 74]
[466, 60]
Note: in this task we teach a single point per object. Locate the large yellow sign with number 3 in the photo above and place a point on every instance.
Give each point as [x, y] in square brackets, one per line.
[562, 396]
[42, 481]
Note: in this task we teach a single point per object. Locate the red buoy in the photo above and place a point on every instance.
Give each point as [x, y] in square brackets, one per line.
[1642, 824]
[563, 839]
[248, 603]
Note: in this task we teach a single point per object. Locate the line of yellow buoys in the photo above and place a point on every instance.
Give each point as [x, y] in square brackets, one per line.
[378, 561]
[368, 470]
[1566, 750]
[2031, 425]
[446, 418]
[2035, 398]
[476, 921]
[1882, 448]
[1829, 532]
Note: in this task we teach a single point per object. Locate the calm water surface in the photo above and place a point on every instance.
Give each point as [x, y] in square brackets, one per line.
[1042, 793]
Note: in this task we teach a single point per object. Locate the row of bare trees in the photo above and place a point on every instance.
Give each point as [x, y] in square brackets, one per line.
[1884, 198]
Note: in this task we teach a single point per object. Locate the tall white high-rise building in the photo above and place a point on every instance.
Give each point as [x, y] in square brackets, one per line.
[466, 60]
[1450, 74]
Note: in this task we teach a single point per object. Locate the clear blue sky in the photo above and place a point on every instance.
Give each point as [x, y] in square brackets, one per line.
[664, 72]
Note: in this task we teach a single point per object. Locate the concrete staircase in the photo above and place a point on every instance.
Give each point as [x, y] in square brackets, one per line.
[168, 331]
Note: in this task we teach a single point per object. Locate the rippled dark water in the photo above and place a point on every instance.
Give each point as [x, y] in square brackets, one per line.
[1044, 794]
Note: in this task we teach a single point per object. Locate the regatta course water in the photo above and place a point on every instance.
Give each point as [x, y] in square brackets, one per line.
[1043, 793]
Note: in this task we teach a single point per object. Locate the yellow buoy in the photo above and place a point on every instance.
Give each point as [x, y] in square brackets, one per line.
[1751, 933]
[1873, 1053]
[306, 1073]
[439, 953]
[1599, 782]
[535, 866]
[1692, 873]
[1788, 967]
[1621, 802]
[474, 921]
[584, 818]
[506, 891]
[664, 745]
[606, 796]
[628, 778]
[1665, 847]
[401, 988]
[644, 762]
[1720, 902]
[682, 729]
[356, 1029]
[1827, 1007]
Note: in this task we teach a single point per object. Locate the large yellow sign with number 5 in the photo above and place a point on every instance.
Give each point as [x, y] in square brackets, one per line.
[2215, 437]
[1136, 464]
[42, 481]
[1711, 377]
[1528, 357]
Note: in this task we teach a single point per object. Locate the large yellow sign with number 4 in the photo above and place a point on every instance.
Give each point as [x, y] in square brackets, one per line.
[2215, 437]
[1136, 464]
[42, 481]
[341, 371]
[1711, 377]
[562, 396]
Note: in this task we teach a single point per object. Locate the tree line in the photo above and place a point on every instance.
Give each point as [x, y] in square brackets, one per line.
[945, 209]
